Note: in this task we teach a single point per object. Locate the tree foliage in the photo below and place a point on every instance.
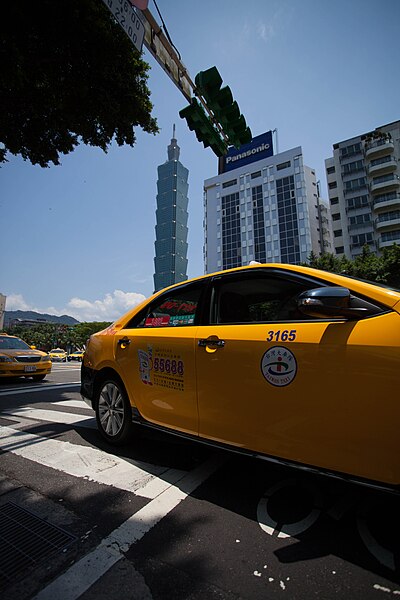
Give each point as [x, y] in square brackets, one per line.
[69, 74]
[383, 269]
[51, 335]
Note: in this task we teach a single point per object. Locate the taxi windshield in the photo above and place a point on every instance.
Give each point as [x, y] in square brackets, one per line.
[11, 343]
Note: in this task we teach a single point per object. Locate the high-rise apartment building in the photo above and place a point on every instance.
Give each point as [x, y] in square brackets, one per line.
[171, 246]
[364, 191]
[263, 208]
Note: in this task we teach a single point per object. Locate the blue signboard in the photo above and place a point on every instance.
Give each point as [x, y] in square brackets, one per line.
[259, 147]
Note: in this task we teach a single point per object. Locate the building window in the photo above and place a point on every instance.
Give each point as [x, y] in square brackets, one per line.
[231, 241]
[229, 183]
[288, 223]
[334, 200]
[355, 184]
[330, 170]
[357, 202]
[340, 250]
[336, 217]
[258, 224]
[353, 167]
[338, 233]
[391, 236]
[332, 185]
[360, 219]
[284, 165]
[350, 150]
[256, 174]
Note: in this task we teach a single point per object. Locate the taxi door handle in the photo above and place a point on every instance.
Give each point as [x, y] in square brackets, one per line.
[215, 343]
[123, 342]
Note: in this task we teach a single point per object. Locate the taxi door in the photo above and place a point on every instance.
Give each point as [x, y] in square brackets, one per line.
[156, 355]
[306, 391]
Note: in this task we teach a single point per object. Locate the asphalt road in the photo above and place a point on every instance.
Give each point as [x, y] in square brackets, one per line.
[164, 519]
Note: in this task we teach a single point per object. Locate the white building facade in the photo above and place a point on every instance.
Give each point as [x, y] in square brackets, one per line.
[263, 208]
[364, 191]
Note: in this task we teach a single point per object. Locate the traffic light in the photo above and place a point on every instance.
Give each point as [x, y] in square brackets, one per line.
[198, 122]
[221, 102]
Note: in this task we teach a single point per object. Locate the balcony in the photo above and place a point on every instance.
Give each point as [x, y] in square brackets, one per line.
[389, 238]
[358, 226]
[383, 167]
[378, 148]
[385, 183]
[388, 221]
[386, 201]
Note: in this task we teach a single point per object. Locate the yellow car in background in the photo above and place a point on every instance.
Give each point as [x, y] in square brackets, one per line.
[58, 355]
[17, 359]
[77, 355]
[282, 362]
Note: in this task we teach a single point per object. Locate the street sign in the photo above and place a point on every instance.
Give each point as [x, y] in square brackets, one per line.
[128, 19]
[165, 54]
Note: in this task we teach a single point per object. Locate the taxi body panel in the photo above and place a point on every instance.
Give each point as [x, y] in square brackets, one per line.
[58, 355]
[77, 355]
[341, 400]
[17, 359]
[314, 391]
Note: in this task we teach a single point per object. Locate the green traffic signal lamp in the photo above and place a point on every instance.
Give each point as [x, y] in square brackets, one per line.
[225, 109]
[198, 122]
[208, 82]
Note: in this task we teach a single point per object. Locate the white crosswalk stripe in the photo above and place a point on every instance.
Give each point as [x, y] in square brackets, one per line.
[164, 487]
[81, 461]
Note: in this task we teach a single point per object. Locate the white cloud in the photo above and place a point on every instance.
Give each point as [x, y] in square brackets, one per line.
[16, 302]
[112, 306]
[265, 31]
[109, 308]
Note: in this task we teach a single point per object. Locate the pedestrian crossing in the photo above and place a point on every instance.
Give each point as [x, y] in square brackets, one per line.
[162, 487]
[85, 462]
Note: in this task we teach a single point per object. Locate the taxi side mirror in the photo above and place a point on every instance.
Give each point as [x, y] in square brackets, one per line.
[329, 302]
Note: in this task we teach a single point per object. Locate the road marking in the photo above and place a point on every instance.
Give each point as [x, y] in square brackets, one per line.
[83, 574]
[72, 404]
[86, 462]
[39, 388]
[52, 416]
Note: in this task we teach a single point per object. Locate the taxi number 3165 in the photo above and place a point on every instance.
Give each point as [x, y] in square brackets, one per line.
[282, 336]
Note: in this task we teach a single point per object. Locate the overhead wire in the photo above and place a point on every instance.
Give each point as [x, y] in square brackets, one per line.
[166, 31]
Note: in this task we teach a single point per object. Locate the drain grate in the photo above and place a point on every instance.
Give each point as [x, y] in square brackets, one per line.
[26, 540]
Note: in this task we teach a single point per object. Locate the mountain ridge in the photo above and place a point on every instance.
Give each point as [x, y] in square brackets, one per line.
[10, 315]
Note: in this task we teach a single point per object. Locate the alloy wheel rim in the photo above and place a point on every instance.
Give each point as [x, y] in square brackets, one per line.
[111, 409]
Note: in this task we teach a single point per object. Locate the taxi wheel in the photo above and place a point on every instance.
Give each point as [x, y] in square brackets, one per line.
[38, 377]
[113, 412]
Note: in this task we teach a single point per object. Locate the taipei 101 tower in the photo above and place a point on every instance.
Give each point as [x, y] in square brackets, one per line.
[170, 262]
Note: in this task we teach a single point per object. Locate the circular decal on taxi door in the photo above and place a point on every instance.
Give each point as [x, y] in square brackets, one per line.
[279, 366]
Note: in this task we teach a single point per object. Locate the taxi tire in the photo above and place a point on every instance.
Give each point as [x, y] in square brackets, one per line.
[111, 392]
[38, 377]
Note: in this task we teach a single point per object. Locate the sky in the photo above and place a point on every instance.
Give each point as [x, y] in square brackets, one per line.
[78, 239]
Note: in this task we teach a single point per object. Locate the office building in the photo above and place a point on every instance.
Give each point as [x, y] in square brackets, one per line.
[263, 207]
[364, 191]
[170, 260]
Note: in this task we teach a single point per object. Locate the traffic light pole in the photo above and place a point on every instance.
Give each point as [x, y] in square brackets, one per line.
[165, 54]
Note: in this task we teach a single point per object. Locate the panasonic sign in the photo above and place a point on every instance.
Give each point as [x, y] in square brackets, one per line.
[259, 147]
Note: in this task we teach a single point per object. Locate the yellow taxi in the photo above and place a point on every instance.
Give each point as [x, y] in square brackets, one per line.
[58, 355]
[282, 362]
[17, 359]
[77, 355]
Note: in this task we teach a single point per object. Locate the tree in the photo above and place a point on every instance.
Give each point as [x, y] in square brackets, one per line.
[69, 74]
[384, 269]
[46, 336]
